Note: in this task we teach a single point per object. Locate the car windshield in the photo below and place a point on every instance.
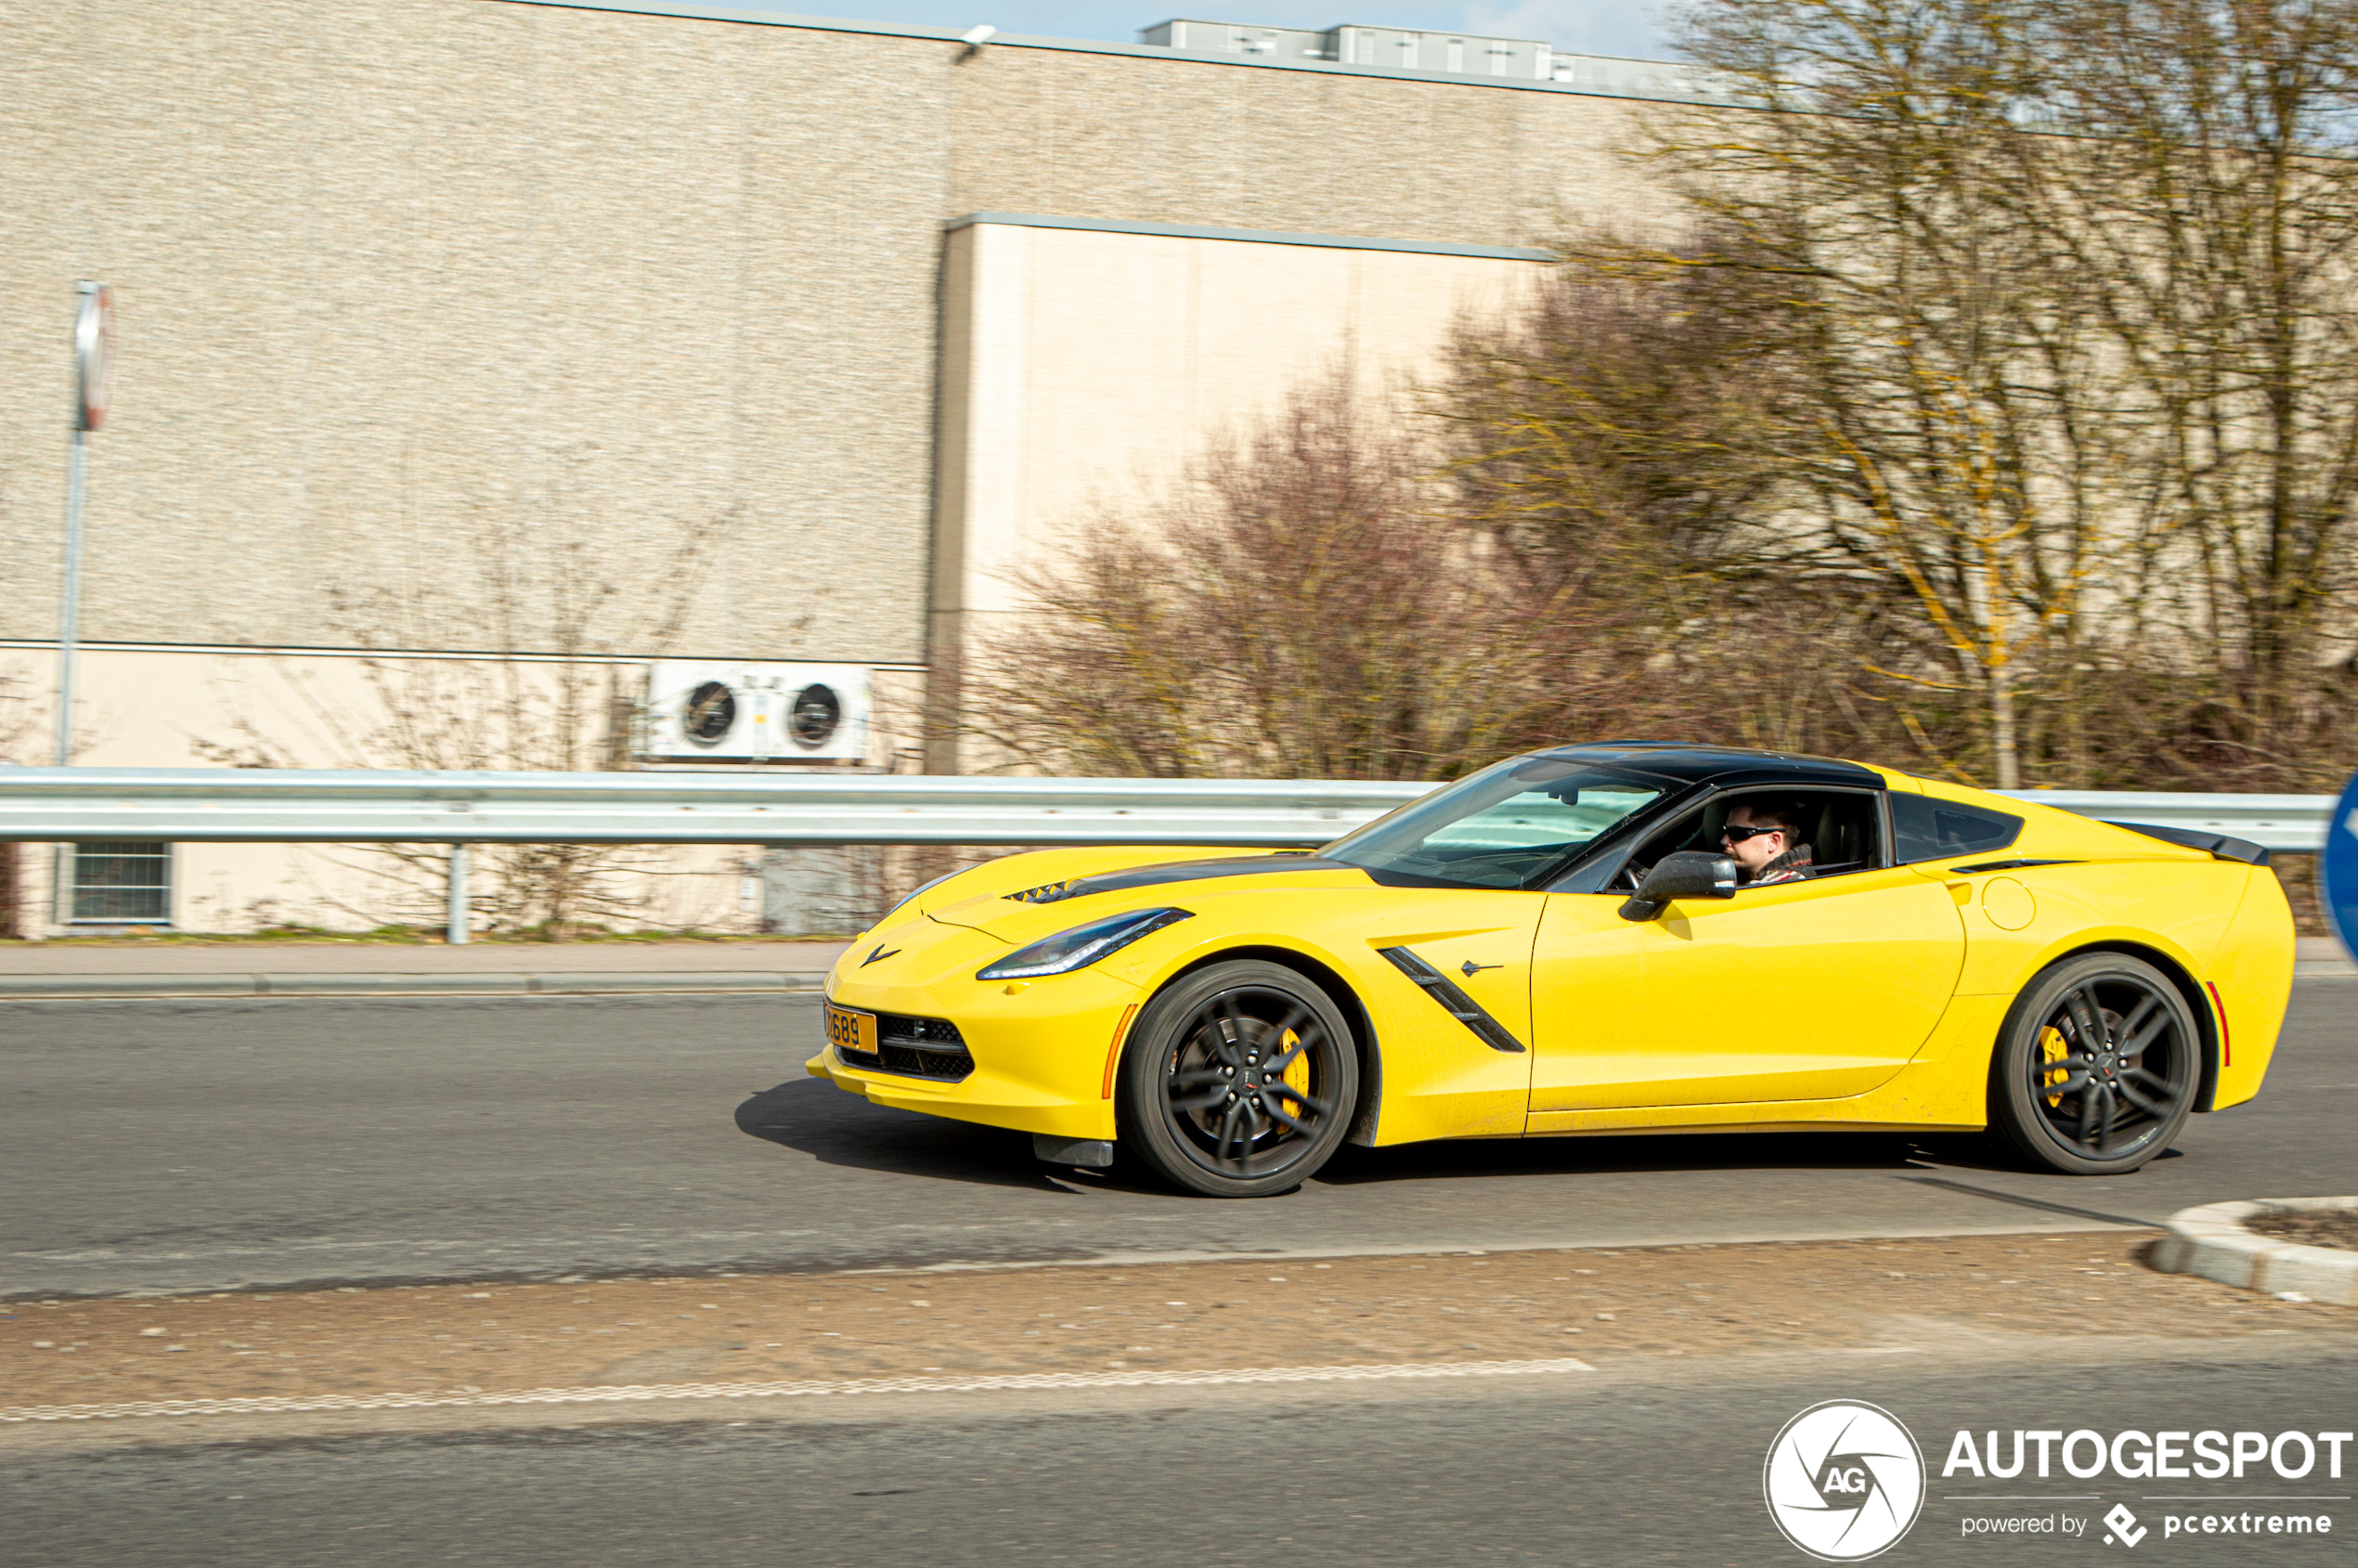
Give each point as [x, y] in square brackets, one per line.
[1503, 827]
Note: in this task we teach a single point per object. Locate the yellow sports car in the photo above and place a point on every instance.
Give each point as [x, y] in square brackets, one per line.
[1616, 938]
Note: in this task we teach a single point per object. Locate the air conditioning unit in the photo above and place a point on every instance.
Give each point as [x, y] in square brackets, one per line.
[701, 712]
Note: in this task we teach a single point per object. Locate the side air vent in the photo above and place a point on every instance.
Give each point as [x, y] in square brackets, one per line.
[1046, 893]
[1453, 1002]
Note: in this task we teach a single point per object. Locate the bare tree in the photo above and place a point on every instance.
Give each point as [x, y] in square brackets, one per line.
[1646, 426]
[2068, 289]
[1954, 420]
[1303, 605]
[2210, 218]
[1629, 417]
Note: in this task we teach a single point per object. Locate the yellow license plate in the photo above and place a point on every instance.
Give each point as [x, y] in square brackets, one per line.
[848, 1030]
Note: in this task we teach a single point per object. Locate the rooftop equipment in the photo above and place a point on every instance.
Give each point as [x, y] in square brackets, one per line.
[1443, 54]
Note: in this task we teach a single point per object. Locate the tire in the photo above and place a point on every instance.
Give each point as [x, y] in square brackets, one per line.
[2097, 1067]
[1193, 1100]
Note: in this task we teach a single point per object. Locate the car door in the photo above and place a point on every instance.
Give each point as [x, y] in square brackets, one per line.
[1797, 990]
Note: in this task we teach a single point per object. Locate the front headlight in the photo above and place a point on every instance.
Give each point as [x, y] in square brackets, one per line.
[1082, 946]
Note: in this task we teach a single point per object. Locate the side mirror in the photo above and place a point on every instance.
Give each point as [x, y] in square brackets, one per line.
[1690, 874]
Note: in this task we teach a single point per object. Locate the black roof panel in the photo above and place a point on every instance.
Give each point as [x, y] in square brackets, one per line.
[1719, 764]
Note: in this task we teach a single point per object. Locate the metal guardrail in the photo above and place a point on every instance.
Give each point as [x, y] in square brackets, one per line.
[2292, 823]
[237, 805]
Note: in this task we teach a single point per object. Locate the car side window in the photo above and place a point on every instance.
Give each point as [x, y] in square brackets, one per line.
[1541, 819]
[1925, 829]
[1842, 832]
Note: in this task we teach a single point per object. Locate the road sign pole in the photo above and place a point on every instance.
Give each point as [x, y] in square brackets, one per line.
[70, 613]
[94, 385]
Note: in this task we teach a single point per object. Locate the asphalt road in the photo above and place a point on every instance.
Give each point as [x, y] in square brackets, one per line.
[1631, 1471]
[216, 1144]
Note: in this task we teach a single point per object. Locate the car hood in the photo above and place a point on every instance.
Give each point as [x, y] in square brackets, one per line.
[1027, 913]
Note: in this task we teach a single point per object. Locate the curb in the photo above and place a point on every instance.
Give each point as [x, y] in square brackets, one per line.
[1002, 1382]
[123, 988]
[2211, 1243]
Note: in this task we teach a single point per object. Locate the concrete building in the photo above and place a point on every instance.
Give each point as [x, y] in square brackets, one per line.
[552, 338]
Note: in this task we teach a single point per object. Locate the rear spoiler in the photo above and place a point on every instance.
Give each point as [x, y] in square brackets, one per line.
[2219, 845]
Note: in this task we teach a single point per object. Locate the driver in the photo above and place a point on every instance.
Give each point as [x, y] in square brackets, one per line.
[1763, 840]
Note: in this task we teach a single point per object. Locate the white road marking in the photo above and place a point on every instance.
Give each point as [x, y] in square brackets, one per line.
[649, 1392]
[497, 1252]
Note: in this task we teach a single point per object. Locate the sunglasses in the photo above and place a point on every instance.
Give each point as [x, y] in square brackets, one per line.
[1734, 834]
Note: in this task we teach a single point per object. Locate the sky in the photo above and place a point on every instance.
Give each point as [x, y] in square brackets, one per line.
[1582, 27]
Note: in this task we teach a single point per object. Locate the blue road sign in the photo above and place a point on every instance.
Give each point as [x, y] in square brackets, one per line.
[2337, 872]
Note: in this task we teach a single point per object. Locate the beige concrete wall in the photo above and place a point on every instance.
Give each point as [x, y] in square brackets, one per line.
[1166, 139]
[396, 273]
[1083, 369]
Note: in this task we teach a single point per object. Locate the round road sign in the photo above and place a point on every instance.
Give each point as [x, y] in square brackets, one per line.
[94, 355]
[2337, 869]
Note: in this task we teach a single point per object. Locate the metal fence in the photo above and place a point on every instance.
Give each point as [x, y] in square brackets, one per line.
[156, 806]
[2294, 823]
[232, 805]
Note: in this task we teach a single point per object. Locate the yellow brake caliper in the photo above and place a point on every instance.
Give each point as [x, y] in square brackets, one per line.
[2051, 1048]
[1297, 1073]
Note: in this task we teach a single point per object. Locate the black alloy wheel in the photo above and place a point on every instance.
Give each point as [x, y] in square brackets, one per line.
[2098, 1066]
[1238, 1081]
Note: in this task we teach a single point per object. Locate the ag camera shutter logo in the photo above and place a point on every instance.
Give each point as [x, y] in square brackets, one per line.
[1844, 1481]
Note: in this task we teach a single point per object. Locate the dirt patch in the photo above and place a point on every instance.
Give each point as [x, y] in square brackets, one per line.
[1602, 1306]
[2332, 1227]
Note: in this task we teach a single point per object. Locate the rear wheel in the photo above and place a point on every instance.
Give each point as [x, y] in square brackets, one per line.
[2096, 1070]
[1238, 1081]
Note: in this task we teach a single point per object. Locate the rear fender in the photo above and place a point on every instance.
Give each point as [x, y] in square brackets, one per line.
[2250, 979]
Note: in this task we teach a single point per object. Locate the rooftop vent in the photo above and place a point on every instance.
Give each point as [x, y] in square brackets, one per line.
[1441, 54]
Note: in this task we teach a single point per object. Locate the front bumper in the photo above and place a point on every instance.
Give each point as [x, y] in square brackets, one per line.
[1041, 1048]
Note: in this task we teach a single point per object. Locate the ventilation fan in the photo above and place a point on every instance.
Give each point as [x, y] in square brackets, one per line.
[815, 716]
[704, 712]
[711, 713]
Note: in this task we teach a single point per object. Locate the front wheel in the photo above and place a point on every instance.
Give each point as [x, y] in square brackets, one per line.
[1238, 1081]
[2097, 1067]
